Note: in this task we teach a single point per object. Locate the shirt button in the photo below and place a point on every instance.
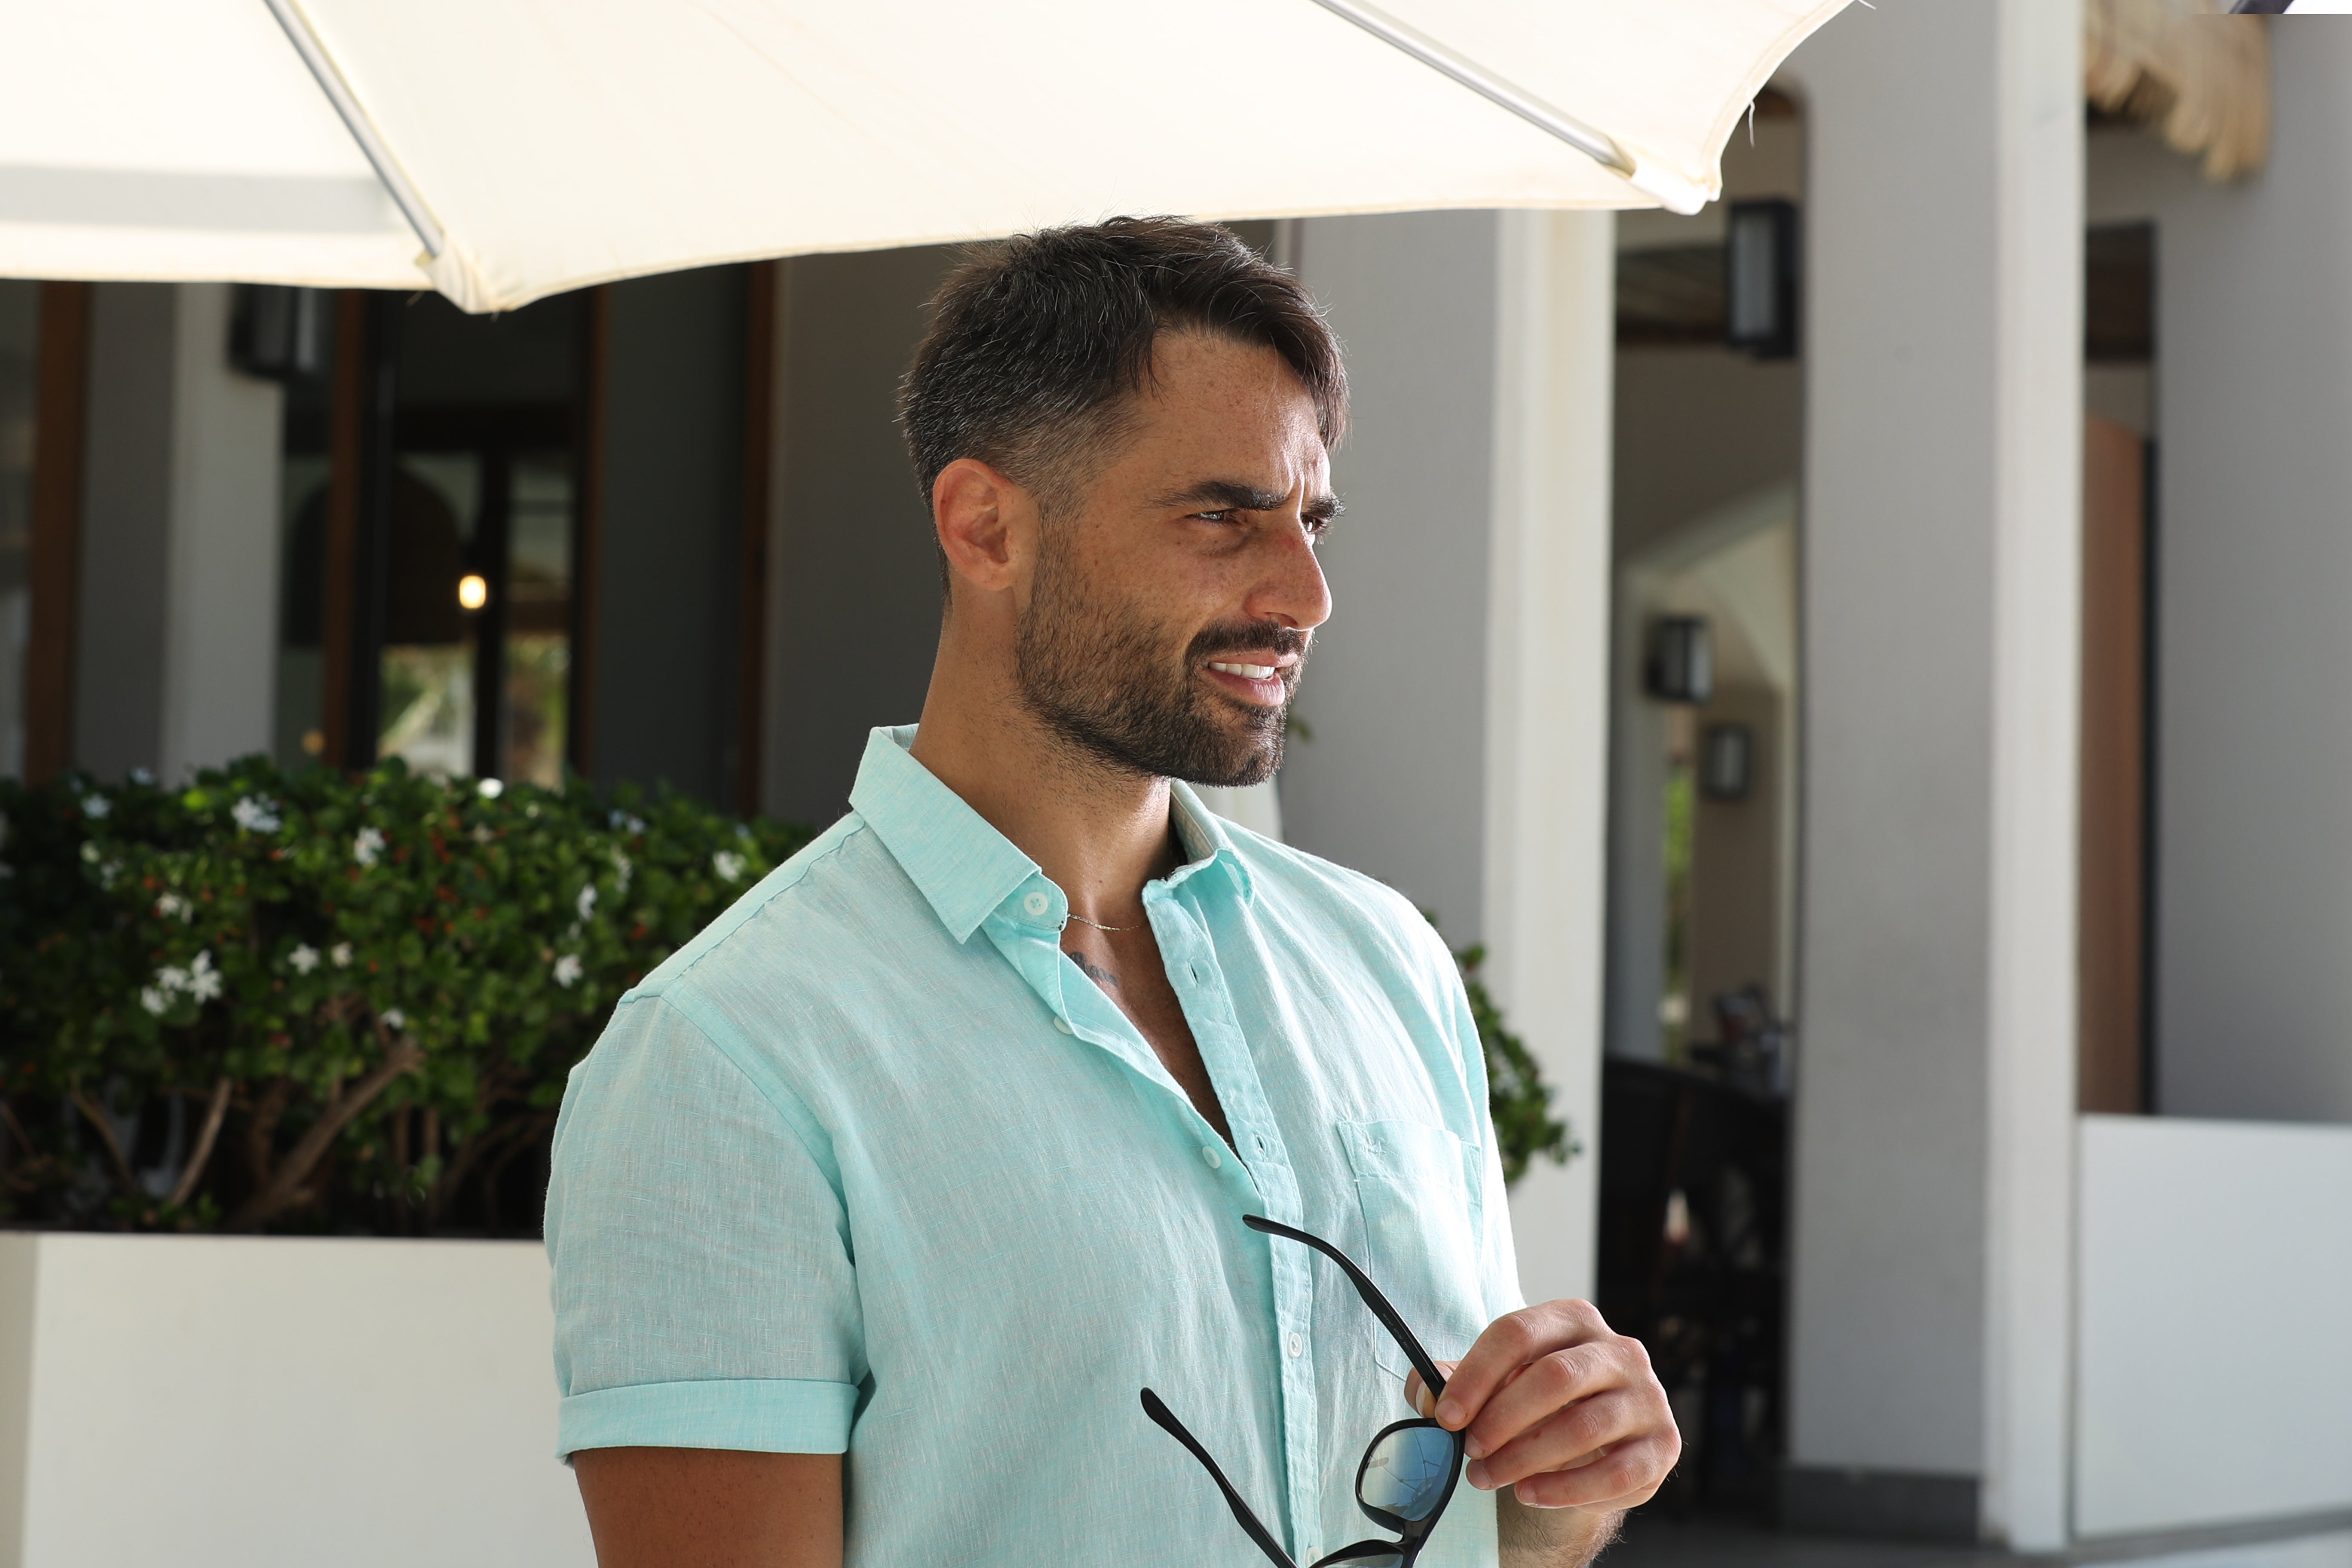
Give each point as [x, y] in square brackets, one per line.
[1210, 1157]
[1063, 1024]
[1296, 1346]
[1035, 903]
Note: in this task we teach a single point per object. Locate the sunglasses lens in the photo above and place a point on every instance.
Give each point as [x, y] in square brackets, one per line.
[1405, 1475]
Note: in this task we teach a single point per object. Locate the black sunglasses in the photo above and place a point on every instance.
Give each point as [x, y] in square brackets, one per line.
[1409, 1470]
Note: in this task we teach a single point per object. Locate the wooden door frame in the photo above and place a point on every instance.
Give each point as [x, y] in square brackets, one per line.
[60, 420]
[761, 281]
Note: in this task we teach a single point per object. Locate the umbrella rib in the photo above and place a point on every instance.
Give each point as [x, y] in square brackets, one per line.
[355, 120]
[1592, 144]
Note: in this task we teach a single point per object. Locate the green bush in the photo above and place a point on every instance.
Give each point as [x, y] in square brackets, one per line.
[1516, 1096]
[307, 1001]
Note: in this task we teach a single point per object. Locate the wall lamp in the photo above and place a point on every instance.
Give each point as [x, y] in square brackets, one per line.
[1681, 666]
[1726, 762]
[1760, 265]
[279, 333]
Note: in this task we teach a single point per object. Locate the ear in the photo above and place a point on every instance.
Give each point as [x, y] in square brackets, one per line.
[984, 522]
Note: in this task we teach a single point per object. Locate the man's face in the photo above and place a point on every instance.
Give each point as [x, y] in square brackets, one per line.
[1168, 619]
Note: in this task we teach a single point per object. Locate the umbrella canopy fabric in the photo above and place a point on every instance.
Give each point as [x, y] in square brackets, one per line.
[181, 138]
[540, 145]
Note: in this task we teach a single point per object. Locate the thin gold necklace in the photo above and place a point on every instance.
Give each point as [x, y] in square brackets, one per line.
[1097, 924]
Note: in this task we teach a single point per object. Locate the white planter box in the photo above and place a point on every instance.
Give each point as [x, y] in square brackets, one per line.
[193, 1401]
[2214, 1369]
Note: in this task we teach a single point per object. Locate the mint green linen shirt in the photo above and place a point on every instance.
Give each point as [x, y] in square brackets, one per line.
[871, 1167]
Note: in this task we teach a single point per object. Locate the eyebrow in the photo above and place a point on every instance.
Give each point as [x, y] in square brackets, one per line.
[1234, 495]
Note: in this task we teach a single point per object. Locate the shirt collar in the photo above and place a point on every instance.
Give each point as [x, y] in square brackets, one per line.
[966, 867]
[1202, 834]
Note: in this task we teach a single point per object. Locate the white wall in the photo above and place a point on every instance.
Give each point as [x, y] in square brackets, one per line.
[1395, 693]
[177, 633]
[1934, 1141]
[2227, 1236]
[278, 1403]
[2255, 568]
[1548, 702]
[221, 594]
[1458, 695]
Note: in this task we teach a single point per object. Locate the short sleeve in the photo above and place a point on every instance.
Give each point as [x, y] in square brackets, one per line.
[704, 1292]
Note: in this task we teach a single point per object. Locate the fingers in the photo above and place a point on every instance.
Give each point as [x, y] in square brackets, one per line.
[1584, 1434]
[1418, 1396]
[1510, 1342]
[1562, 1410]
[1554, 1384]
[1627, 1476]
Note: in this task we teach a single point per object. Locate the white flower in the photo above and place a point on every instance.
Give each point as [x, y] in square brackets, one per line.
[141, 776]
[155, 1001]
[172, 907]
[368, 847]
[490, 789]
[567, 969]
[96, 807]
[171, 977]
[304, 958]
[394, 1019]
[728, 863]
[340, 955]
[482, 832]
[204, 980]
[622, 820]
[587, 903]
[255, 814]
[90, 851]
[622, 868]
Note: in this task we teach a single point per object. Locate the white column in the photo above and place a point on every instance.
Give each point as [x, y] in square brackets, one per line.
[1933, 1169]
[221, 594]
[2037, 658]
[1547, 701]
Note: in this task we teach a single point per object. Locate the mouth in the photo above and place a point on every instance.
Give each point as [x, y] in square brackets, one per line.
[1261, 684]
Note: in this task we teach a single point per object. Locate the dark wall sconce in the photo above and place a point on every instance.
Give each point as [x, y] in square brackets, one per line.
[1726, 762]
[1759, 266]
[279, 333]
[1680, 666]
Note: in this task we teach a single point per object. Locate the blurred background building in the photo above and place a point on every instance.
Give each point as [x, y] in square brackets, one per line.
[1866, 659]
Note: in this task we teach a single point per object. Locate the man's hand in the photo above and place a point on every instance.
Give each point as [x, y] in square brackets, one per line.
[1565, 1414]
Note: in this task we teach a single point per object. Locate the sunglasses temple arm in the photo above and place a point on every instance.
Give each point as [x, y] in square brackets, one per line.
[1250, 1524]
[1389, 1319]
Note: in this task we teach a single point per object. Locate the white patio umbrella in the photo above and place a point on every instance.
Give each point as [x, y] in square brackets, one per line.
[524, 147]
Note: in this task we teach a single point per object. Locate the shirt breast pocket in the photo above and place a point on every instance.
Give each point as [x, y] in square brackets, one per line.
[1420, 1247]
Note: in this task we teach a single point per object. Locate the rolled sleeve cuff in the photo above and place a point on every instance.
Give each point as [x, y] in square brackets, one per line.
[765, 1416]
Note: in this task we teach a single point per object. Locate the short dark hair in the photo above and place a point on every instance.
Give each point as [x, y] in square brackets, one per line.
[1035, 342]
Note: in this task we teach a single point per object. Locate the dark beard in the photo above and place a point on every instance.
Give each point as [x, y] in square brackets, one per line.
[1102, 678]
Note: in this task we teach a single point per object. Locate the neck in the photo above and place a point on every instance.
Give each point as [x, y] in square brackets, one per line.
[1098, 831]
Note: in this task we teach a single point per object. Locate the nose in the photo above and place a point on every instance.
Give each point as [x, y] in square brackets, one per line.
[1291, 589]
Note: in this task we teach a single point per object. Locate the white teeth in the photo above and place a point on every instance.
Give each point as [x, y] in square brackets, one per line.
[1246, 672]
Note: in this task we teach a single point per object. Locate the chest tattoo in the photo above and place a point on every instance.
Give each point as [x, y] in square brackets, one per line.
[1093, 972]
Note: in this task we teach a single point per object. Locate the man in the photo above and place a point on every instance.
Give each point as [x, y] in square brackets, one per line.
[878, 1204]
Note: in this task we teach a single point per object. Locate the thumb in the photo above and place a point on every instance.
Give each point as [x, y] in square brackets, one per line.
[1418, 1397]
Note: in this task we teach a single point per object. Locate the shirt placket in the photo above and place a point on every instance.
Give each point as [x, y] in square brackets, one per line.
[1199, 982]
